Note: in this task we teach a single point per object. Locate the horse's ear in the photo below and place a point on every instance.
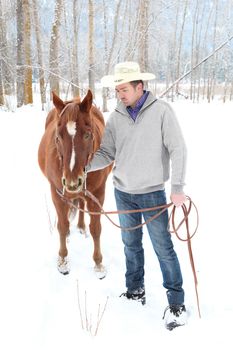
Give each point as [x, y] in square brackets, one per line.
[58, 103]
[86, 103]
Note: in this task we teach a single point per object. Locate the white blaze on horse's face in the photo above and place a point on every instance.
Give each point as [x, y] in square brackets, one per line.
[71, 128]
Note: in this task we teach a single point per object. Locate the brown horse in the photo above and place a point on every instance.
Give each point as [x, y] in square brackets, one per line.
[73, 132]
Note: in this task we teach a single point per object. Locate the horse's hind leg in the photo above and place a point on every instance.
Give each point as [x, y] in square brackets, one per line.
[81, 221]
[95, 230]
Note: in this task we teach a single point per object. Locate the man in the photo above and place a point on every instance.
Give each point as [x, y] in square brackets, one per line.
[142, 135]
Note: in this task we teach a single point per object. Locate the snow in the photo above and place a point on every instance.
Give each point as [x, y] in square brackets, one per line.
[39, 306]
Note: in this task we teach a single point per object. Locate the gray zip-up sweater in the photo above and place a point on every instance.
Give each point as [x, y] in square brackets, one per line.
[142, 150]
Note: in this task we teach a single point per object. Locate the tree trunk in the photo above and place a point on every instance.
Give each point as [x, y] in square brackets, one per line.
[105, 90]
[91, 69]
[7, 77]
[109, 49]
[198, 52]
[54, 44]
[193, 53]
[173, 50]
[28, 99]
[39, 53]
[231, 92]
[1, 86]
[1, 60]
[75, 63]
[143, 27]
[213, 78]
[20, 54]
[180, 42]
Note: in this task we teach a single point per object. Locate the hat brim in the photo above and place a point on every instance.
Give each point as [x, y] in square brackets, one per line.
[114, 80]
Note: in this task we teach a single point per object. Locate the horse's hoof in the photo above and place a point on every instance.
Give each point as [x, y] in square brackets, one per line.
[83, 232]
[63, 265]
[100, 271]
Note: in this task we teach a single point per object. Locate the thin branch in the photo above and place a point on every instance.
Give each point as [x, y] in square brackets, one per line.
[51, 227]
[101, 316]
[51, 73]
[196, 66]
[79, 306]
[86, 317]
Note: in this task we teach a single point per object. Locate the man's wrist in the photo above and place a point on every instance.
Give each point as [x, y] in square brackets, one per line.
[179, 189]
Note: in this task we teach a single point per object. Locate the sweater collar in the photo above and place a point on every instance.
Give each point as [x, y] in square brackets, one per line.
[133, 111]
[149, 100]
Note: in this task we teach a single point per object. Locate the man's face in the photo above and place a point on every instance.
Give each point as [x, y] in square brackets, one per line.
[129, 94]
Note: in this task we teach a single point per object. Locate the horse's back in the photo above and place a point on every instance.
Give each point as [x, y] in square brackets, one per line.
[46, 140]
[51, 117]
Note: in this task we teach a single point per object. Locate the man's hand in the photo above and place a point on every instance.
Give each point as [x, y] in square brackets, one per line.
[178, 199]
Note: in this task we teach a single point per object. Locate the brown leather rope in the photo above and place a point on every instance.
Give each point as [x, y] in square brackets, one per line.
[161, 208]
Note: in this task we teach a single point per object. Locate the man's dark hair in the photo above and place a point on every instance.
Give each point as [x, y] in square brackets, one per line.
[136, 82]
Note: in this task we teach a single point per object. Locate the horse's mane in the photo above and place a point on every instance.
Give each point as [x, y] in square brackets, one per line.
[76, 99]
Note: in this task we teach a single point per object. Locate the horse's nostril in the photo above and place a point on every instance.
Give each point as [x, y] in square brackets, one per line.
[63, 181]
[80, 181]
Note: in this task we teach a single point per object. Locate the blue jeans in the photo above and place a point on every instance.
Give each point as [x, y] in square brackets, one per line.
[160, 238]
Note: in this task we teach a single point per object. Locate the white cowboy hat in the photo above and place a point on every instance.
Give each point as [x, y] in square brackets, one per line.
[125, 72]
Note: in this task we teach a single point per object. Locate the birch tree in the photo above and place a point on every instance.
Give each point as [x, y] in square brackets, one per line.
[143, 39]
[214, 61]
[20, 54]
[27, 51]
[54, 46]
[39, 52]
[7, 78]
[75, 63]
[91, 61]
[109, 45]
[180, 44]
[1, 58]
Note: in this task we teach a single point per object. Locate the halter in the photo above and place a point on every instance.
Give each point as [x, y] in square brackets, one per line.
[60, 157]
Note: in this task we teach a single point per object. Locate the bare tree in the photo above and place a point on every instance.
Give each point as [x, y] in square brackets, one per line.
[1, 87]
[214, 60]
[193, 52]
[77, 8]
[27, 51]
[39, 52]
[105, 90]
[20, 54]
[91, 60]
[7, 78]
[1, 58]
[54, 45]
[109, 46]
[180, 44]
[143, 40]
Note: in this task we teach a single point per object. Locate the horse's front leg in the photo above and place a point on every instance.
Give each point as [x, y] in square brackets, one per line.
[63, 228]
[95, 230]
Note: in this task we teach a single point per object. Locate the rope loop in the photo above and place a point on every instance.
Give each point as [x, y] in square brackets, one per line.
[160, 209]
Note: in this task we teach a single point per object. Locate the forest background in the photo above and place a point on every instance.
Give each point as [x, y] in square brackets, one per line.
[68, 45]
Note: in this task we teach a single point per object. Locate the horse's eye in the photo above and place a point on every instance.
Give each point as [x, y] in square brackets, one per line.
[87, 135]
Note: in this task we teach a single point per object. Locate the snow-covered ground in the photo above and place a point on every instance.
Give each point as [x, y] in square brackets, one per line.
[39, 306]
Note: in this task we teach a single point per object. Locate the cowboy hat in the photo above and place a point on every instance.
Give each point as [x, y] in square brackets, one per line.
[125, 72]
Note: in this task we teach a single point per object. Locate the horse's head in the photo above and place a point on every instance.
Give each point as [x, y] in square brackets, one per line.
[74, 140]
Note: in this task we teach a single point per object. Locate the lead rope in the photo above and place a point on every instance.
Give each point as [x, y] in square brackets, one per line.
[85, 181]
[188, 240]
[161, 208]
